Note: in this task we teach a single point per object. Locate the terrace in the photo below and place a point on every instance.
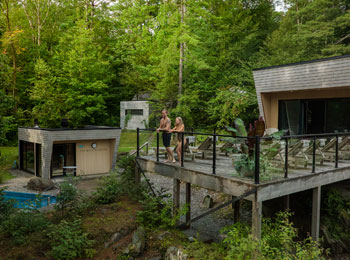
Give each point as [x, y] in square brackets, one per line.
[322, 159]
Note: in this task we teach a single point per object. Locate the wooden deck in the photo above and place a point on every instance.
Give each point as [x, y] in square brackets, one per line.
[226, 180]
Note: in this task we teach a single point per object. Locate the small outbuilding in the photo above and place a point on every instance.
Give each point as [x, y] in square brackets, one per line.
[52, 152]
[134, 114]
[307, 97]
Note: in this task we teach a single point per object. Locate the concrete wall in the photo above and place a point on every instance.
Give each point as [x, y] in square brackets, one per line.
[328, 78]
[136, 121]
[47, 137]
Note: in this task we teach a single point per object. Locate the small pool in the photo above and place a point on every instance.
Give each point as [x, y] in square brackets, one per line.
[27, 200]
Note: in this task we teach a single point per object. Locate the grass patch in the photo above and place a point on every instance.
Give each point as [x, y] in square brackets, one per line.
[128, 140]
[7, 156]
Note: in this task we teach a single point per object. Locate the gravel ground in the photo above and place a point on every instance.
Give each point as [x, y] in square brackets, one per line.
[207, 228]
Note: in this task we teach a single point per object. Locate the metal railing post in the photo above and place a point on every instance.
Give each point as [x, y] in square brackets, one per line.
[314, 155]
[182, 149]
[257, 159]
[157, 146]
[336, 150]
[286, 159]
[138, 142]
[214, 152]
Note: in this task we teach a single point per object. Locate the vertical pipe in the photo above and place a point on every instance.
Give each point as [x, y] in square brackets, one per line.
[314, 155]
[336, 150]
[257, 159]
[214, 152]
[138, 142]
[157, 146]
[182, 149]
[286, 159]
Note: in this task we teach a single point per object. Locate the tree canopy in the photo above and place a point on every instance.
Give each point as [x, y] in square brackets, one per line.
[78, 59]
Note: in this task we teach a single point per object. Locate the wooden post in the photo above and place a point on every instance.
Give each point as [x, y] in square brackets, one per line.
[286, 202]
[188, 202]
[176, 195]
[137, 175]
[256, 218]
[316, 206]
[236, 210]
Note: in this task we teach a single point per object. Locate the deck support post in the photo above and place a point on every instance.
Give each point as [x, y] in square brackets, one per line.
[316, 207]
[137, 175]
[188, 202]
[256, 218]
[286, 202]
[176, 195]
[236, 206]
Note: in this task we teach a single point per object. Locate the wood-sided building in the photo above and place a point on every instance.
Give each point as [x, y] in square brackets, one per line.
[52, 152]
[307, 97]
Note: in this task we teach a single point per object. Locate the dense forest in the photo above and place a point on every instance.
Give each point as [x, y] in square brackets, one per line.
[78, 59]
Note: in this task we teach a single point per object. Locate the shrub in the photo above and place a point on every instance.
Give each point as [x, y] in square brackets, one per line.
[21, 223]
[277, 242]
[6, 207]
[67, 197]
[69, 241]
[157, 211]
[120, 183]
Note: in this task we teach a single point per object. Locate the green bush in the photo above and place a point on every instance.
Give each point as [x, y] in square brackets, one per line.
[157, 211]
[67, 197]
[120, 183]
[21, 223]
[6, 207]
[69, 241]
[277, 242]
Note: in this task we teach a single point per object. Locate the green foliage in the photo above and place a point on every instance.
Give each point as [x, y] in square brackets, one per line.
[277, 242]
[120, 183]
[69, 241]
[157, 211]
[20, 223]
[6, 207]
[67, 197]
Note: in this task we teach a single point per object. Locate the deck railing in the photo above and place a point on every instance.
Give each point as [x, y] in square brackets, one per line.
[257, 144]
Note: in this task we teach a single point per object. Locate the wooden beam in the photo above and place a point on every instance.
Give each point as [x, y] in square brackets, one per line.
[236, 206]
[176, 195]
[256, 218]
[188, 202]
[286, 202]
[316, 207]
[137, 175]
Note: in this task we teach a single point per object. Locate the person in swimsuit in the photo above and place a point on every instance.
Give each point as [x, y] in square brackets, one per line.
[165, 127]
[179, 127]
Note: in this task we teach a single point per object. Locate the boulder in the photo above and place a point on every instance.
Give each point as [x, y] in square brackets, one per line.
[114, 238]
[40, 184]
[174, 253]
[207, 202]
[136, 247]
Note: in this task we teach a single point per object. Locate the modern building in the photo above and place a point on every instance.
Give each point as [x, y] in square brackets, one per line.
[52, 152]
[306, 97]
[134, 114]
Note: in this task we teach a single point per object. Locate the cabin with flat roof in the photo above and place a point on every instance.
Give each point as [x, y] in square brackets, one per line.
[309, 97]
[53, 152]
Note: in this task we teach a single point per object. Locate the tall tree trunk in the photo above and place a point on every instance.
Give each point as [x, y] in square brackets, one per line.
[14, 58]
[182, 12]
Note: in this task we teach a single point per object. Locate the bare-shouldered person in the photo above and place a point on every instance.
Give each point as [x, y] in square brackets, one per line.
[165, 126]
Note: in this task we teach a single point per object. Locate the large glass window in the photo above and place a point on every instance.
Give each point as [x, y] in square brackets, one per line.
[27, 156]
[313, 116]
[134, 112]
[62, 155]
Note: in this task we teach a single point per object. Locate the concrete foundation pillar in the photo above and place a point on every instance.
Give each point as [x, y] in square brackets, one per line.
[316, 207]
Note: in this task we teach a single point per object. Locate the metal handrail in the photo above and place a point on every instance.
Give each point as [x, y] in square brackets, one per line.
[257, 140]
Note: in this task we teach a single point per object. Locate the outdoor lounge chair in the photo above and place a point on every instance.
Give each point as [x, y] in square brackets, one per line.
[320, 156]
[205, 148]
[343, 149]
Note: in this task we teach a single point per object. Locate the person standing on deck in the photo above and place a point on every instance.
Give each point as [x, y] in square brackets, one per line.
[165, 126]
[179, 127]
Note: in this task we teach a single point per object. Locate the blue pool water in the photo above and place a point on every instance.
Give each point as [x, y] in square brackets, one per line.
[27, 200]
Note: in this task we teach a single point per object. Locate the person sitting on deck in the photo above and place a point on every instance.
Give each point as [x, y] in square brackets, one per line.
[179, 127]
[165, 127]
